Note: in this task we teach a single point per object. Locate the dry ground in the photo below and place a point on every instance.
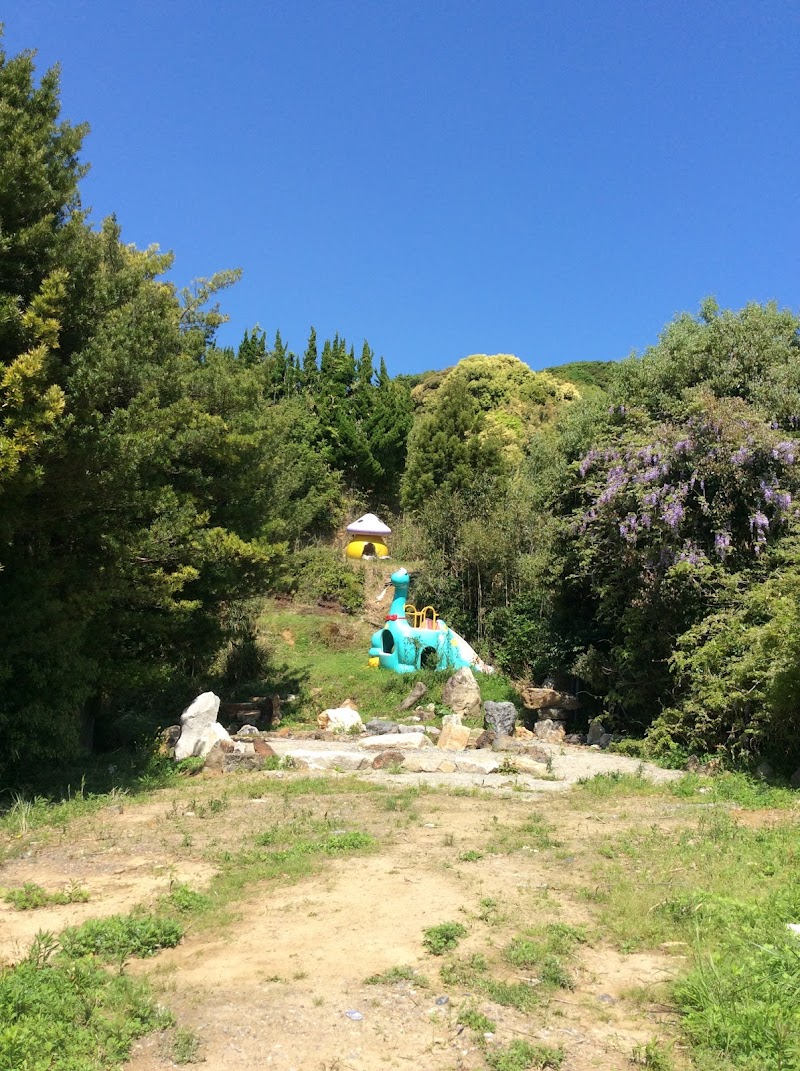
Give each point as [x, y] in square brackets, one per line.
[269, 985]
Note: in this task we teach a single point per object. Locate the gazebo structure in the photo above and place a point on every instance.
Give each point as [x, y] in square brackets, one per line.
[367, 538]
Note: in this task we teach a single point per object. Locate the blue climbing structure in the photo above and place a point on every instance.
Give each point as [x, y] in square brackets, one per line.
[415, 639]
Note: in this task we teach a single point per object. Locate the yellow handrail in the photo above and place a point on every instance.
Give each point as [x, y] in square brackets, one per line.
[424, 618]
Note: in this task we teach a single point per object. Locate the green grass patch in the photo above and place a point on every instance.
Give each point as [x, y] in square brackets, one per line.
[443, 938]
[532, 834]
[727, 892]
[394, 975]
[118, 937]
[31, 896]
[543, 951]
[185, 1048]
[729, 787]
[525, 1056]
[184, 901]
[476, 1021]
[286, 852]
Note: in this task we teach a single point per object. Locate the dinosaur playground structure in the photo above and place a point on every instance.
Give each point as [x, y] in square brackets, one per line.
[415, 639]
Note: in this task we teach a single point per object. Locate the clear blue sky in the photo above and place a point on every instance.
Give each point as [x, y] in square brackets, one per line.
[551, 179]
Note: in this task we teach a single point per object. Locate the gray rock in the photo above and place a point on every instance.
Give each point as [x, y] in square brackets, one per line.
[521, 747]
[462, 695]
[347, 761]
[575, 738]
[764, 771]
[241, 762]
[413, 696]
[200, 729]
[501, 718]
[379, 727]
[605, 740]
[451, 719]
[247, 730]
[596, 730]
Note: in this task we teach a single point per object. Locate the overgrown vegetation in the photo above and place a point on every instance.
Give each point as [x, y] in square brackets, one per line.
[63, 1013]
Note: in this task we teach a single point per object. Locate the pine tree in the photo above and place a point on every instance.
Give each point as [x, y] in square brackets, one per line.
[310, 371]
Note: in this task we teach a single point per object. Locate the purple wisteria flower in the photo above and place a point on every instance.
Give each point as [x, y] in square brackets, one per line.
[783, 500]
[759, 522]
[784, 452]
[673, 514]
[722, 544]
[691, 553]
[740, 456]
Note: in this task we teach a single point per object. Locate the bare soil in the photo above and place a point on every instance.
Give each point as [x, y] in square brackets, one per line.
[273, 987]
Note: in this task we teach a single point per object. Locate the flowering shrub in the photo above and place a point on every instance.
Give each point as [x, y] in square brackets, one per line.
[663, 513]
[713, 490]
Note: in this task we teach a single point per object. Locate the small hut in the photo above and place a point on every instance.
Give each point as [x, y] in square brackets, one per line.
[367, 538]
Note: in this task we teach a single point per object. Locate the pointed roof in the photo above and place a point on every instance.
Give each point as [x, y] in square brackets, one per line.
[369, 524]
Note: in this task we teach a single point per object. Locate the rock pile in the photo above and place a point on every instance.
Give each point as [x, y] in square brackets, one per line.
[552, 709]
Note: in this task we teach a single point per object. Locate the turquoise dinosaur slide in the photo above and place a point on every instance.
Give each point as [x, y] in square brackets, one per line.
[415, 639]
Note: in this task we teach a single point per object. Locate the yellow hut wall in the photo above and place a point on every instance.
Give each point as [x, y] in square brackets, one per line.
[355, 548]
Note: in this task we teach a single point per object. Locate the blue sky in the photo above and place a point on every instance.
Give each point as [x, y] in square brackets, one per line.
[554, 179]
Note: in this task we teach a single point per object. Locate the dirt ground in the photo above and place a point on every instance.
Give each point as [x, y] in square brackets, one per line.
[273, 987]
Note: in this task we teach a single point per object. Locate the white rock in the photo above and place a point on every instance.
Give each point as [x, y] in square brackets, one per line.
[200, 729]
[396, 741]
[340, 719]
[794, 927]
[451, 719]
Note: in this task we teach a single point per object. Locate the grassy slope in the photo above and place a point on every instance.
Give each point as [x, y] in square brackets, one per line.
[324, 659]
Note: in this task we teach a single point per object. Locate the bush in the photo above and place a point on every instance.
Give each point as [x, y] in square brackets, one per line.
[322, 574]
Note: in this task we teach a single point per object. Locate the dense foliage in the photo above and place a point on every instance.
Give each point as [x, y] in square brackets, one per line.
[150, 482]
[629, 528]
[648, 549]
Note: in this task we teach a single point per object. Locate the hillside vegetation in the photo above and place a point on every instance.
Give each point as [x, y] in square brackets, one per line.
[629, 529]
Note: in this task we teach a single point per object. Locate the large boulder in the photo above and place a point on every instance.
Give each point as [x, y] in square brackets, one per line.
[379, 727]
[343, 719]
[541, 698]
[596, 731]
[200, 729]
[500, 717]
[453, 738]
[462, 694]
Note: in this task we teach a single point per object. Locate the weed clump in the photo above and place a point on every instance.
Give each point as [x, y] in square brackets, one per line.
[31, 896]
[443, 938]
[120, 936]
[394, 975]
[523, 1056]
